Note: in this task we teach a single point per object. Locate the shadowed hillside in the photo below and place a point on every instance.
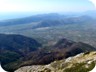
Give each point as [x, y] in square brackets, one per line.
[17, 51]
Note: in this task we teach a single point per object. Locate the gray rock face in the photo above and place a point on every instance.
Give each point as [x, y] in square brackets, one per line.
[87, 59]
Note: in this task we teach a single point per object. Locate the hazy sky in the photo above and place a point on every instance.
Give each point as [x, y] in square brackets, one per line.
[94, 2]
[45, 5]
[22, 8]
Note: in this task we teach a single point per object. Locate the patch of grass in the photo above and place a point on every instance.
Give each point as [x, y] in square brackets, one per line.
[78, 67]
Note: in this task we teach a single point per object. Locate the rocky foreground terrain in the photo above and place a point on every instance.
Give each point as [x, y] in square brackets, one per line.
[83, 62]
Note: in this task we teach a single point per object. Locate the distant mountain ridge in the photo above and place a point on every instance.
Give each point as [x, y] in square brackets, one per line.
[47, 19]
[30, 19]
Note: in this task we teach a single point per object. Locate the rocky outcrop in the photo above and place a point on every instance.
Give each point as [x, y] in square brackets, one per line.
[83, 62]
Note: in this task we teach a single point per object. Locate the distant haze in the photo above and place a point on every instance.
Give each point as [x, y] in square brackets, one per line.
[22, 8]
[94, 2]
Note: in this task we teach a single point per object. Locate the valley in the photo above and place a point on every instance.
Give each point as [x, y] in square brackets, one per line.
[52, 27]
[44, 39]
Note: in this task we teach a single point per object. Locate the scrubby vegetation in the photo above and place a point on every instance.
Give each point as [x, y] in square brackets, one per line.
[83, 62]
[80, 67]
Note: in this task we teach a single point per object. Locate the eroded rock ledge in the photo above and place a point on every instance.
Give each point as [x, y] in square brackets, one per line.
[84, 61]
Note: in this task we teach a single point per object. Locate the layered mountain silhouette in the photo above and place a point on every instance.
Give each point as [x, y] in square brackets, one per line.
[17, 51]
[48, 20]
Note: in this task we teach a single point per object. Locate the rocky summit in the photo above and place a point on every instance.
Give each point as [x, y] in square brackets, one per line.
[83, 62]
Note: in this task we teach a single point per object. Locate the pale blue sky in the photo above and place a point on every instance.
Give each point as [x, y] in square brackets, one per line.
[45, 5]
[22, 8]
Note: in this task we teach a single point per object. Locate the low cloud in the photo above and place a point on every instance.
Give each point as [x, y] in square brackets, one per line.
[94, 2]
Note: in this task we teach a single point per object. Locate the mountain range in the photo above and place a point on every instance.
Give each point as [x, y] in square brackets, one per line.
[43, 39]
[48, 19]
